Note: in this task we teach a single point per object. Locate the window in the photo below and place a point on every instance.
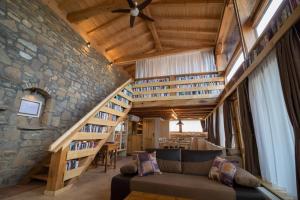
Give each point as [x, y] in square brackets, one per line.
[271, 10]
[30, 108]
[188, 126]
[235, 67]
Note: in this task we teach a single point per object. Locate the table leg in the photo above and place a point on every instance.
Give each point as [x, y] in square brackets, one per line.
[106, 160]
[115, 159]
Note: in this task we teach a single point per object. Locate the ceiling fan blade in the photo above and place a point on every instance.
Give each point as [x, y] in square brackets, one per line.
[131, 3]
[125, 10]
[144, 4]
[142, 15]
[132, 19]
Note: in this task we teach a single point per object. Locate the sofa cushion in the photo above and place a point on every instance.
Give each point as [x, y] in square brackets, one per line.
[223, 171]
[244, 178]
[198, 162]
[129, 169]
[180, 185]
[169, 160]
[147, 163]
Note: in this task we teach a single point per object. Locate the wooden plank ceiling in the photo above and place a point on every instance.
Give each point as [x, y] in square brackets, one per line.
[180, 25]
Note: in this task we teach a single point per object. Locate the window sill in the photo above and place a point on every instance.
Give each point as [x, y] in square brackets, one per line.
[279, 192]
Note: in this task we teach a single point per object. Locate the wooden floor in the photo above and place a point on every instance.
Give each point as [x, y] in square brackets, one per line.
[95, 184]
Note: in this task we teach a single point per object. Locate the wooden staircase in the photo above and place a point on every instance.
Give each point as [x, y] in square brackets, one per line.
[92, 129]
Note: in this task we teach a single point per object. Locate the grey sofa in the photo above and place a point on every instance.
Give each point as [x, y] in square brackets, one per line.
[185, 174]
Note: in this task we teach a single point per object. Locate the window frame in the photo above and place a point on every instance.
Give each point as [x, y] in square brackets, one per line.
[31, 115]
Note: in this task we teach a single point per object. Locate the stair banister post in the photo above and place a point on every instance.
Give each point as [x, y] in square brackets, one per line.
[56, 172]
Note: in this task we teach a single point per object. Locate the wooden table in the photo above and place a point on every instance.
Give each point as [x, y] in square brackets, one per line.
[134, 195]
[108, 150]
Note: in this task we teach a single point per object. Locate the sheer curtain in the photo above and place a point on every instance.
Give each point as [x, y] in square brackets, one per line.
[273, 129]
[186, 63]
[221, 126]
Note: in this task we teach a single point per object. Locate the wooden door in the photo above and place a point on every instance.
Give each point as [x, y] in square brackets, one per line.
[148, 134]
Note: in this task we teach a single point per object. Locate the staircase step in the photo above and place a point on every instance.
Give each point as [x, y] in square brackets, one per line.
[42, 177]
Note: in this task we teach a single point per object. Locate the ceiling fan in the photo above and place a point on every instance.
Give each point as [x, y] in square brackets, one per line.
[135, 10]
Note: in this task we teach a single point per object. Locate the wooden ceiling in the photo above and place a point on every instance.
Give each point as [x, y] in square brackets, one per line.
[180, 25]
[180, 112]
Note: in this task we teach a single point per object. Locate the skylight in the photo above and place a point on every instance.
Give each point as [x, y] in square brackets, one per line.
[235, 67]
[271, 10]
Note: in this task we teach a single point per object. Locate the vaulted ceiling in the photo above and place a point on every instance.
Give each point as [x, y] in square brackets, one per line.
[180, 25]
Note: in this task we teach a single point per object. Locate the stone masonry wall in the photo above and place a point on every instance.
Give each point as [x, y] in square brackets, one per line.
[39, 50]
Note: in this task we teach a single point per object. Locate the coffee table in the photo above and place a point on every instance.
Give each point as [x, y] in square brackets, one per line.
[134, 195]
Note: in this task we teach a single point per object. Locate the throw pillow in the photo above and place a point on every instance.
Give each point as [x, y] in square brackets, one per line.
[147, 164]
[245, 178]
[223, 171]
[129, 169]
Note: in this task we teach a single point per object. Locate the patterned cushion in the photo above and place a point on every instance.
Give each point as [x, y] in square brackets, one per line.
[147, 163]
[223, 171]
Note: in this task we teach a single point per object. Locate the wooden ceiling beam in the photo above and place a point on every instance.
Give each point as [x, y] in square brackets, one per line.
[107, 24]
[107, 6]
[77, 16]
[198, 19]
[187, 32]
[181, 40]
[153, 30]
[133, 59]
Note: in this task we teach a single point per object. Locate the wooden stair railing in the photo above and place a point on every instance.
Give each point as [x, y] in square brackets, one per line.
[91, 128]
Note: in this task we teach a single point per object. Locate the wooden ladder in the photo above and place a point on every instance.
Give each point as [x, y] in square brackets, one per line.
[91, 128]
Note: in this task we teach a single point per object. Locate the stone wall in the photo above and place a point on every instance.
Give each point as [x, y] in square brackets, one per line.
[39, 51]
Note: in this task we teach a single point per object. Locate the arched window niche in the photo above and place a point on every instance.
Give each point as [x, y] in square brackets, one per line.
[33, 109]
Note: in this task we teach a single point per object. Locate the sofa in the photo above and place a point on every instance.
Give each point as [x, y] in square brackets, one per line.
[184, 174]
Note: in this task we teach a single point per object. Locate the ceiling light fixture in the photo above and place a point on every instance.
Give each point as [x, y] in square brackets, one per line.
[88, 44]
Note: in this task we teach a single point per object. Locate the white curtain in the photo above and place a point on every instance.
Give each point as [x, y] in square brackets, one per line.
[221, 126]
[273, 130]
[214, 122]
[186, 63]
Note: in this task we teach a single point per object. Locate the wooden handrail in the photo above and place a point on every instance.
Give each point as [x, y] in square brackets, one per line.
[62, 140]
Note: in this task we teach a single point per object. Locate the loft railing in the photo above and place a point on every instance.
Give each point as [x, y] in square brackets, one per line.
[193, 86]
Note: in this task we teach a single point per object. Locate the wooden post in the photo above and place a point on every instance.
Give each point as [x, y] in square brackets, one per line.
[56, 173]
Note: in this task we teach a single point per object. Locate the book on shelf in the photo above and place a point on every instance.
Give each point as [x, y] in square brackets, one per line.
[80, 145]
[122, 99]
[127, 92]
[152, 80]
[115, 107]
[102, 115]
[72, 164]
[91, 128]
[114, 118]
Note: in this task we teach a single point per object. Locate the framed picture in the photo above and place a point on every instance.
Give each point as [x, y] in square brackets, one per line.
[30, 108]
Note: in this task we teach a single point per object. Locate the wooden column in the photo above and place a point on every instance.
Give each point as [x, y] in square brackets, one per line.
[56, 173]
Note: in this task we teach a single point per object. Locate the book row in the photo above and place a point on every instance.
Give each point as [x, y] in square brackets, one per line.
[102, 115]
[200, 85]
[91, 128]
[115, 107]
[150, 88]
[127, 92]
[152, 95]
[199, 92]
[193, 77]
[72, 164]
[152, 80]
[80, 145]
[118, 97]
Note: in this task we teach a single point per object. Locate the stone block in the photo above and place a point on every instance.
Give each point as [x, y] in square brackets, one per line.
[11, 24]
[28, 143]
[13, 73]
[4, 57]
[25, 55]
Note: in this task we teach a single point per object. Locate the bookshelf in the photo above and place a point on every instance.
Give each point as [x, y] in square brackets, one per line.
[202, 85]
[120, 136]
